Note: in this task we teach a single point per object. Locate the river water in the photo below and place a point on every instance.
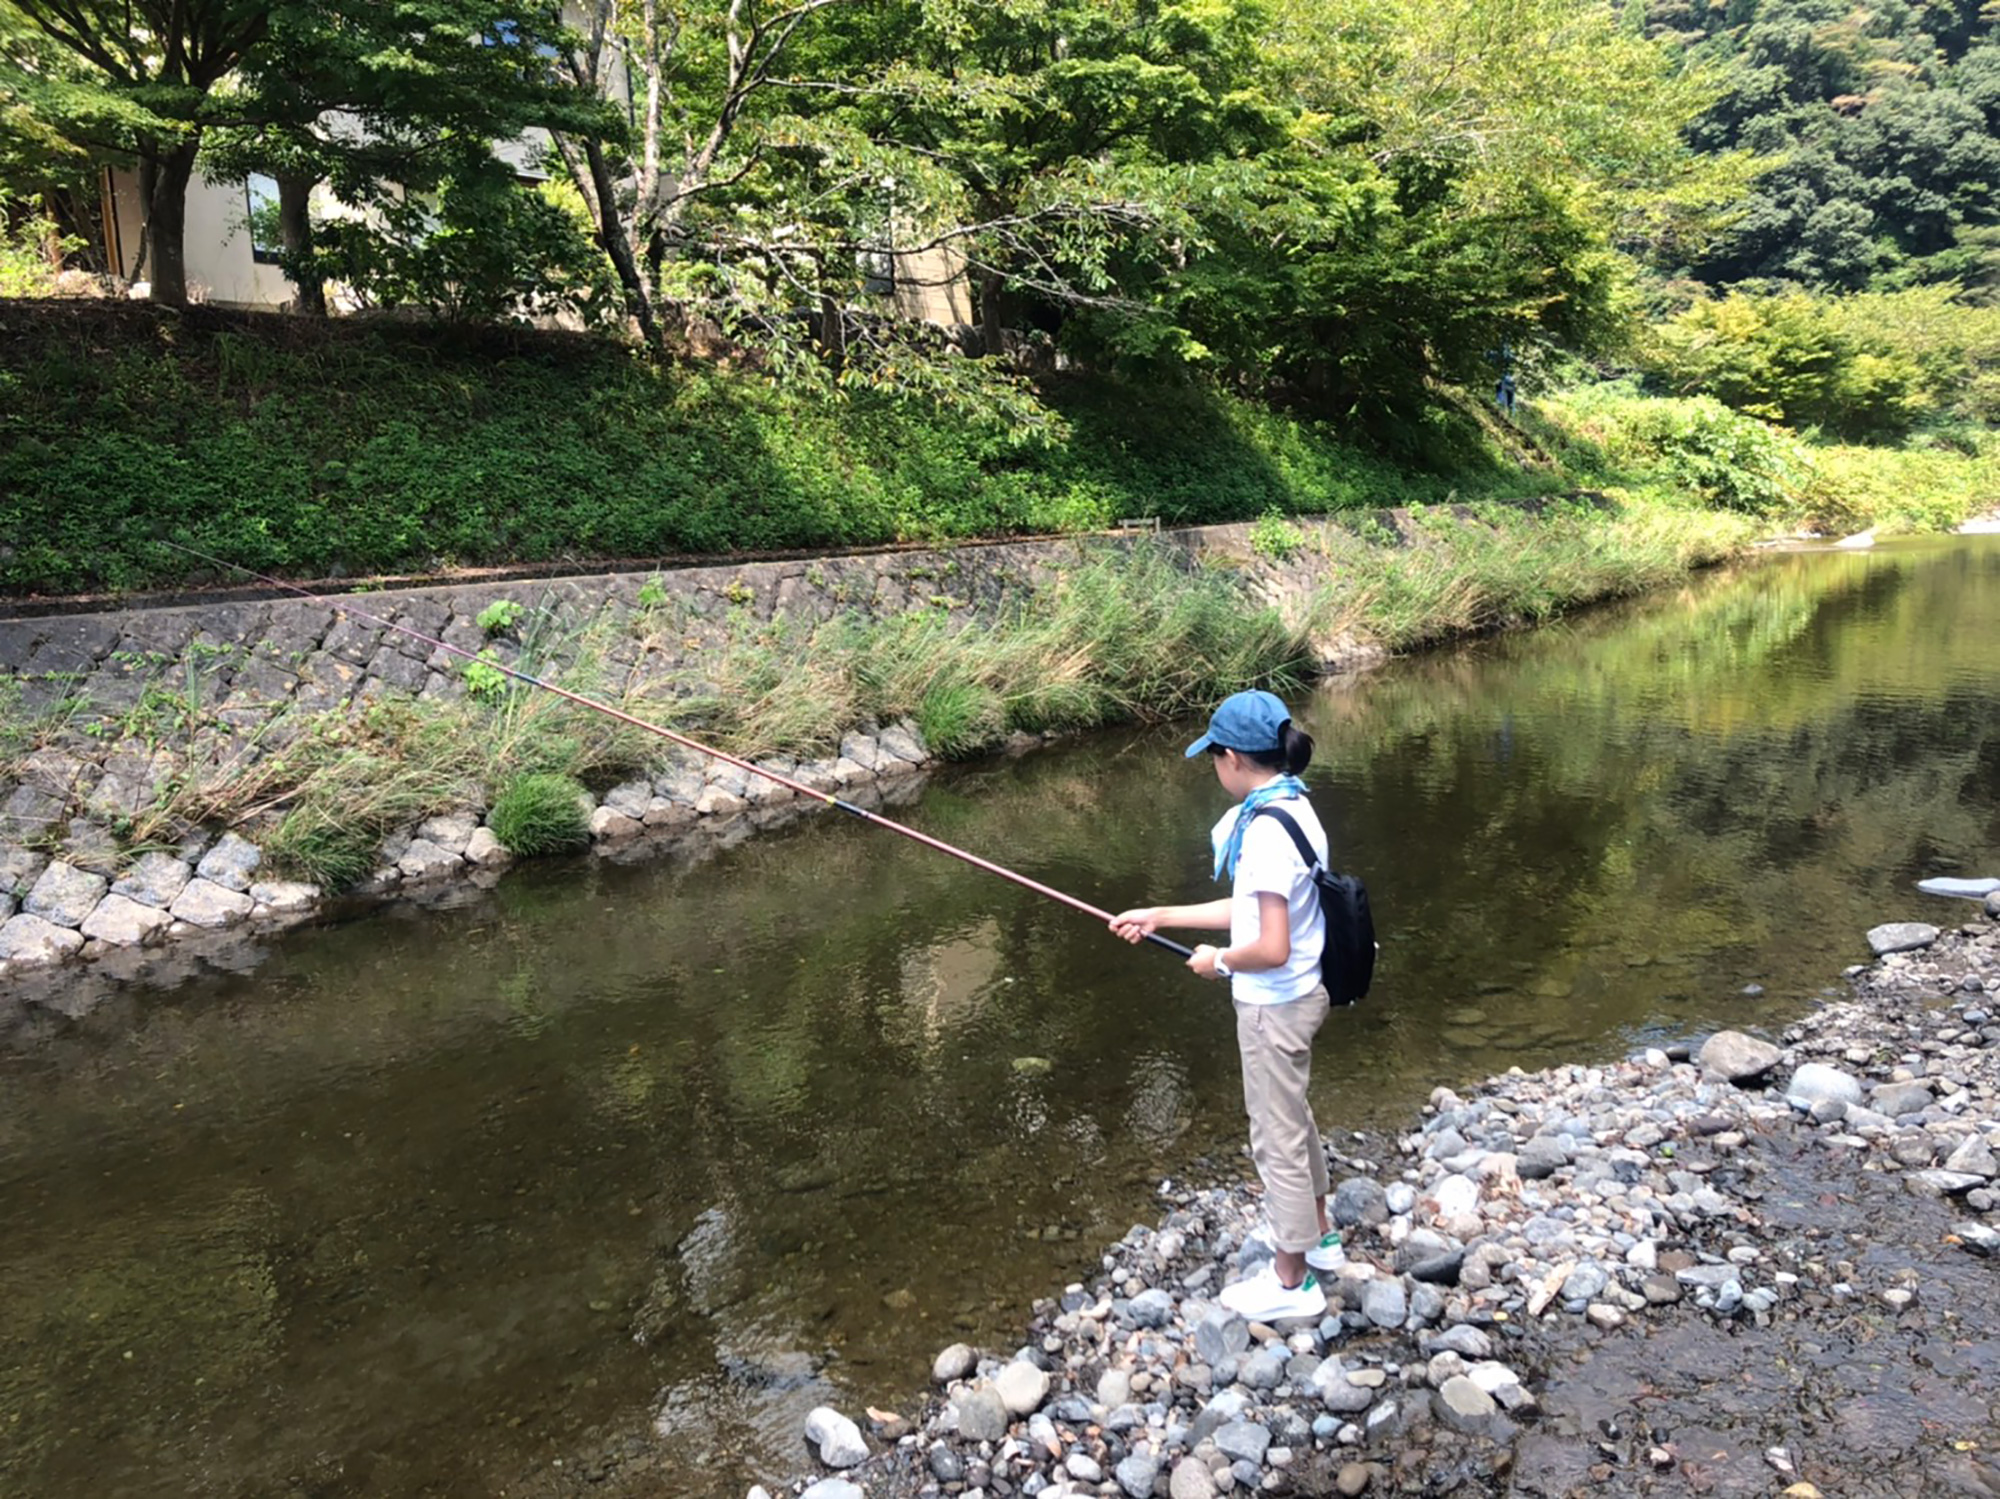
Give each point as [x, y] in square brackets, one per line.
[597, 1181]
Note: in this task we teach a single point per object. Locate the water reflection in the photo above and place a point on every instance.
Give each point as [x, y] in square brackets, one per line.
[624, 1168]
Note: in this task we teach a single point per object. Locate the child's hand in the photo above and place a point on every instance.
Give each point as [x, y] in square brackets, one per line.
[1201, 963]
[1137, 924]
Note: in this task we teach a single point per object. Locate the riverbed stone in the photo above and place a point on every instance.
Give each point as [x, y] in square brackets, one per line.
[1898, 1099]
[837, 1439]
[1901, 936]
[607, 826]
[1541, 1157]
[1136, 1475]
[1974, 1157]
[1385, 1303]
[630, 799]
[1191, 1480]
[833, 1488]
[982, 1415]
[1022, 1387]
[1816, 1083]
[900, 742]
[1993, 904]
[206, 904]
[231, 863]
[1737, 1057]
[1359, 1202]
[1243, 1441]
[65, 895]
[30, 940]
[123, 922]
[955, 1362]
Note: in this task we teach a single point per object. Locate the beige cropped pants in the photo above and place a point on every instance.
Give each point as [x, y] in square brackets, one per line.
[1276, 1045]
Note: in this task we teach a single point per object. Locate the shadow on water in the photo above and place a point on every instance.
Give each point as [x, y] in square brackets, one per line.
[612, 1172]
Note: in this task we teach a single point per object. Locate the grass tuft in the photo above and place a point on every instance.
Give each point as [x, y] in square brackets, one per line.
[540, 813]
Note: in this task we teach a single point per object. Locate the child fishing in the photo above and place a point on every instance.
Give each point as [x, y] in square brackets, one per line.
[1272, 961]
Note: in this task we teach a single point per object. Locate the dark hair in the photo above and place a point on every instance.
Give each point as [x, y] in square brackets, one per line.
[1294, 754]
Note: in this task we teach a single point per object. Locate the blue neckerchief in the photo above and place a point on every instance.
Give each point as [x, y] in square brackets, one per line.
[1232, 846]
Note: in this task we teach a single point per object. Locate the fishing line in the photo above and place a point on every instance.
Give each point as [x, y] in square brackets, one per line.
[685, 742]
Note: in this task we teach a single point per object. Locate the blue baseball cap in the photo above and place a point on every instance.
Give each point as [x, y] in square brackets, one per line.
[1253, 721]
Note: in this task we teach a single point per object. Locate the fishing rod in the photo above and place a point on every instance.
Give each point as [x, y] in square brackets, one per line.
[694, 744]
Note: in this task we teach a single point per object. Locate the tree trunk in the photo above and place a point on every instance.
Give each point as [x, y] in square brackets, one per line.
[166, 221]
[611, 235]
[991, 318]
[295, 232]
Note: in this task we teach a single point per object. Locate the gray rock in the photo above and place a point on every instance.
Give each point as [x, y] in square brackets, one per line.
[1114, 1388]
[205, 903]
[1993, 904]
[1220, 1334]
[837, 1439]
[19, 869]
[1153, 1308]
[1022, 1387]
[1542, 1156]
[30, 940]
[1385, 1303]
[834, 1488]
[1897, 1099]
[425, 860]
[1337, 1392]
[1136, 1475]
[1264, 1369]
[284, 896]
[607, 826]
[1737, 1057]
[1816, 1082]
[1084, 1468]
[1218, 1413]
[982, 1415]
[631, 799]
[1243, 1442]
[1973, 1157]
[1463, 1406]
[65, 895]
[230, 863]
[900, 742]
[1465, 1340]
[1931, 1183]
[1359, 1203]
[862, 750]
[1900, 936]
[452, 833]
[1191, 1480]
[484, 849]
[955, 1362]
[122, 921]
[945, 1464]
[153, 880]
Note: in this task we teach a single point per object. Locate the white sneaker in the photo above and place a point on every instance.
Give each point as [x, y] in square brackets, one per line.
[1327, 1254]
[1264, 1298]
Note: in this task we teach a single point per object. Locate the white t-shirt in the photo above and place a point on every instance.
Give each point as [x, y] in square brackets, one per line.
[1269, 863]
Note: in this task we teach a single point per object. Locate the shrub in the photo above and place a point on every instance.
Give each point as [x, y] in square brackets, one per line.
[540, 813]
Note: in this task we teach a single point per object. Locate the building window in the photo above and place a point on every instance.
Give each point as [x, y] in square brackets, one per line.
[267, 241]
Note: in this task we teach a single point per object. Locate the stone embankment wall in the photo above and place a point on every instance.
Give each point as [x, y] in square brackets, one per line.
[129, 707]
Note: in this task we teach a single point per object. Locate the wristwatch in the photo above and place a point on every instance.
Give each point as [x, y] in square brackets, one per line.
[1222, 970]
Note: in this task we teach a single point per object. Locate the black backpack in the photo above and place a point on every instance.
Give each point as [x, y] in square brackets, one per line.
[1347, 962]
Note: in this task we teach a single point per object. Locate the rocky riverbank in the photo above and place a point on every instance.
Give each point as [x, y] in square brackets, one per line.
[1751, 1266]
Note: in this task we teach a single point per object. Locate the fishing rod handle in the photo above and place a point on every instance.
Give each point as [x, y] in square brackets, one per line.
[1170, 945]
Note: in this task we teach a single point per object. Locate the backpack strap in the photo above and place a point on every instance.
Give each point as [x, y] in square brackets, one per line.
[1304, 844]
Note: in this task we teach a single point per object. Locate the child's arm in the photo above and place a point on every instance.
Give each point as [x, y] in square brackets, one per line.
[1141, 922]
[1270, 948]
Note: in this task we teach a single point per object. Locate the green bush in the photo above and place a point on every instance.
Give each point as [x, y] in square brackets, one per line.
[540, 813]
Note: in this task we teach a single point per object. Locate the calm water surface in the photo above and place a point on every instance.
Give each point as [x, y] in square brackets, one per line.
[599, 1180]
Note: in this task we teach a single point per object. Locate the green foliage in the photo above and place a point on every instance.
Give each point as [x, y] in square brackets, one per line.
[1694, 446]
[485, 681]
[319, 449]
[540, 813]
[27, 267]
[329, 852]
[1275, 537]
[499, 617]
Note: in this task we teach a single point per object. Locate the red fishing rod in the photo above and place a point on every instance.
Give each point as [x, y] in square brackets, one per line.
[694, 744]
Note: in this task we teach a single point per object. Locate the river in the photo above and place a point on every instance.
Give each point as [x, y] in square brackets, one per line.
[606, 1175]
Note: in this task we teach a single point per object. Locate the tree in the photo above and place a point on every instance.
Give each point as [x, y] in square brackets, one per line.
[396, 107]
[146, 83]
